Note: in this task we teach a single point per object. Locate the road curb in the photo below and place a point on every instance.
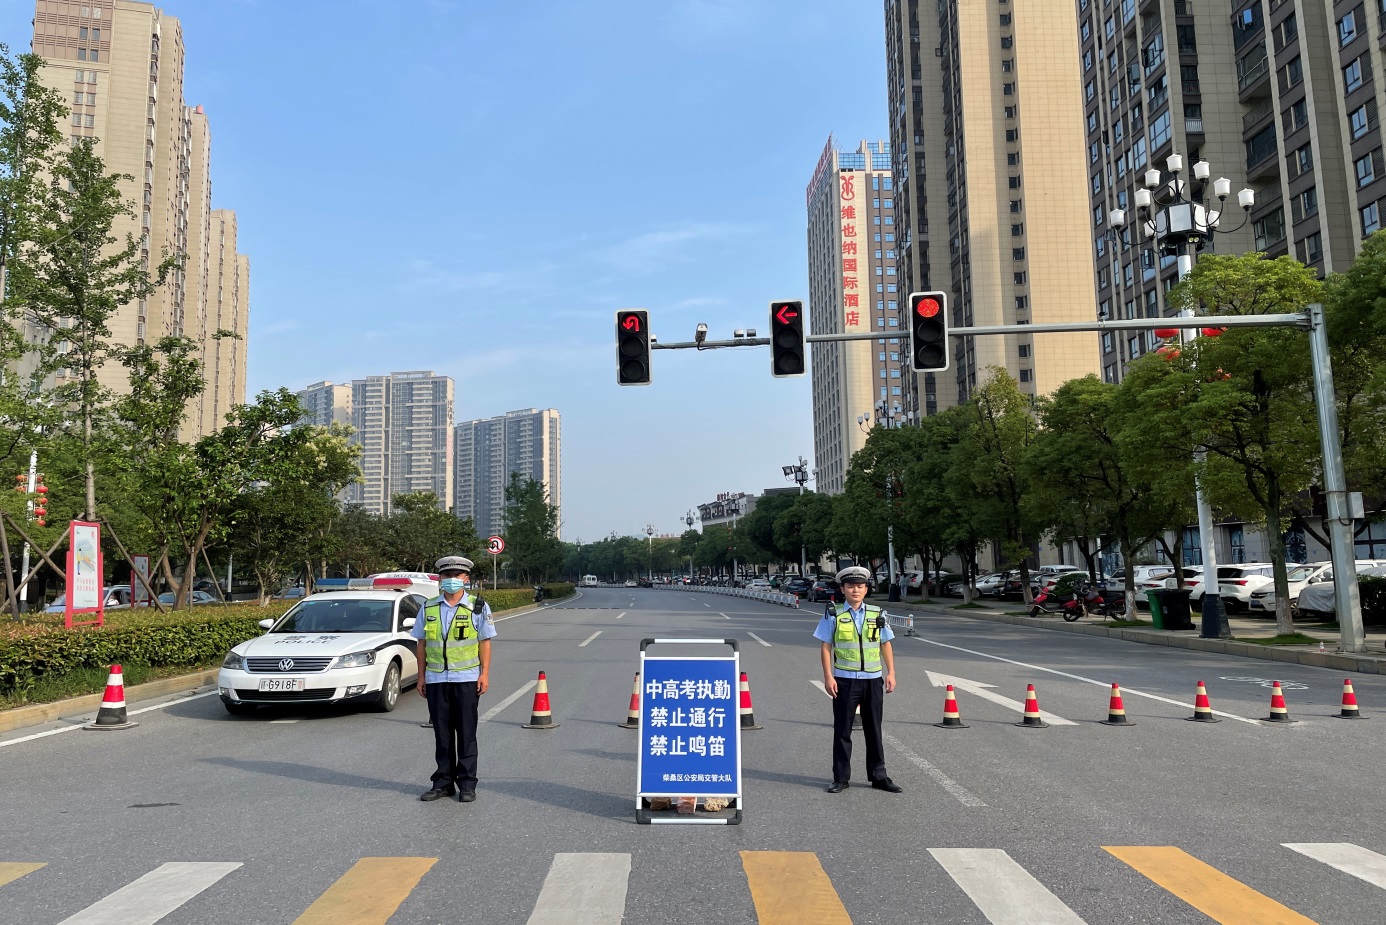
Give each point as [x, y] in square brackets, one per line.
[36, 714]
[39, 713]
[1360, 664]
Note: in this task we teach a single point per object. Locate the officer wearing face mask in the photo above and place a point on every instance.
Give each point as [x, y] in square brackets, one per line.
[453, 633]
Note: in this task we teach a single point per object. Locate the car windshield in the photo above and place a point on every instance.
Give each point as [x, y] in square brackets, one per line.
[337, 616]
[1299, 573]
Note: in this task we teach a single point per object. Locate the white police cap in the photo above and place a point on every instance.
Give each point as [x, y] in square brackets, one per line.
[453, 564]
[854, 573]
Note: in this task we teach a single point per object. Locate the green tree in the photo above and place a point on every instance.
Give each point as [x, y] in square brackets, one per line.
[807, 524]
[72, 277]
[532, 547]
[419, 532]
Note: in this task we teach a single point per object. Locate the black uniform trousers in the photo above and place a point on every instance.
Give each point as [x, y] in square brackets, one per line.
[452, 705]
[870, 693]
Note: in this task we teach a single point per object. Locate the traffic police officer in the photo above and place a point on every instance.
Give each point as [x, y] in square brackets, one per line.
[454, 633]
[856, 645]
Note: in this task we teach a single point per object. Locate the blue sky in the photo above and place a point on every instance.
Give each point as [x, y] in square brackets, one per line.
[475, 187]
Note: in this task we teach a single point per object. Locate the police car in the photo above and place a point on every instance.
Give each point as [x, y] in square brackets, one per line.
[347, 644]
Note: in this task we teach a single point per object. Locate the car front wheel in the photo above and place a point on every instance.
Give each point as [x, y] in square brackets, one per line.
[389, 690]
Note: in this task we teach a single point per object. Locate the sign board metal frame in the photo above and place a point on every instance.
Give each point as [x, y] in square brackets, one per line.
[84, 565]
[733, 793]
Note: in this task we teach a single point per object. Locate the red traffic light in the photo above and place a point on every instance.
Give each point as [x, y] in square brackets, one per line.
[927, 308]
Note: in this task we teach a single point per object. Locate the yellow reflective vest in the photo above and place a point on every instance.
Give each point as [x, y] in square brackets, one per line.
[853, 651]
[461, 649]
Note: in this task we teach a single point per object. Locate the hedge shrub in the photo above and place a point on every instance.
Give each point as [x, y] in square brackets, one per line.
[192, 638]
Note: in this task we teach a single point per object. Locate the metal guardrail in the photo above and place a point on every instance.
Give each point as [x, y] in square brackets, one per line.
[781, 598]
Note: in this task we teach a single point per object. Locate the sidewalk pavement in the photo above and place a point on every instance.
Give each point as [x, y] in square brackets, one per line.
[1243, 627]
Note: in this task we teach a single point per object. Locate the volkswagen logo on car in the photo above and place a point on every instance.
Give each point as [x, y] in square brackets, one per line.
[286, 664]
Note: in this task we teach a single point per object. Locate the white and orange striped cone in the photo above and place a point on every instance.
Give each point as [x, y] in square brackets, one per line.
[1278, 712]
[1350, 710]
[952, 719]
[112, 713]
[1032, 719]
[541, 717]
[1116, 710]
[1203, 710]
[856, 717]
[633, 714]
[748, 716]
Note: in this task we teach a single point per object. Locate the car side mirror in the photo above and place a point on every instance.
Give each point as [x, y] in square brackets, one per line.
[407, 623]
[266, 624]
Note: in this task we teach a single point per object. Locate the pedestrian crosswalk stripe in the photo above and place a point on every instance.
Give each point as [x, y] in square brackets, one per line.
[1003, 890]
[368, 894]
[1350, 859]
[583, 889]
[154, 895]
[14, 870]
[791, 888]
[1210, 891]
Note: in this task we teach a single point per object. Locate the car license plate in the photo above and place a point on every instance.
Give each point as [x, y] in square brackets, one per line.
[282, 684]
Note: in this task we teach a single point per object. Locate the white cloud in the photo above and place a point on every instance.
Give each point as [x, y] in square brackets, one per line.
[653, 250]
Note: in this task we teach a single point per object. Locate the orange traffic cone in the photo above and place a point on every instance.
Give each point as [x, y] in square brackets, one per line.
[1032, 718]
[1203, 710]
[633, 715]
[541, 717]
[1116, 711]
[748, 716]
[1278, 712]
[1350, 710]
[952, 719]
[856, 717]
[112, 713]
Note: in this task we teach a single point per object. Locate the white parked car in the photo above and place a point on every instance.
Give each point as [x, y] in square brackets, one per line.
[1147, 578]
[1300, 577]
[1236, 584]
[351, 646]
[632, 583]
[760, 584]
[1317, 598]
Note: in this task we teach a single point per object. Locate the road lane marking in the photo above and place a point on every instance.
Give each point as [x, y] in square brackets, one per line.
[791, 888]
[587, 888]
[959, 793]
[1350, 859]
[759, 640]
[368, 894]
[158, 706]
[583, 644]
[11, 871]
[979, 689]
[508, 701]
[154, 895]
[1078, 677]
[1004, 891]
[621, 614]
[285, 722]
[706, 604]
[723, 616]
[1210, 891]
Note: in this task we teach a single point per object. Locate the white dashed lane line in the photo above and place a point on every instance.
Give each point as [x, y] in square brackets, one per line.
[583, 644]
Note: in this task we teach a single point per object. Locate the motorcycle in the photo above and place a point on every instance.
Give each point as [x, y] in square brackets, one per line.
[1067, 605]
[538, 594]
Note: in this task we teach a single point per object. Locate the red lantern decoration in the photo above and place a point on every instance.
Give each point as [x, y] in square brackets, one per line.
[42, 489]
[1166, 333]
[40, 511]
[1213, 332]
[1168, 352]
[41, 522]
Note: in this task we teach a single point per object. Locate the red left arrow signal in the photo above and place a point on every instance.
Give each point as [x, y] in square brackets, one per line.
[785, 314]
[631, 323]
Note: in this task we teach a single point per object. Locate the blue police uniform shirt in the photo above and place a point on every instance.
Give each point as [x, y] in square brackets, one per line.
[824, 633]
[481, 621]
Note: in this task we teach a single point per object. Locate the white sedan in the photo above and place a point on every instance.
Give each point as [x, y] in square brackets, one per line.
[336, 647]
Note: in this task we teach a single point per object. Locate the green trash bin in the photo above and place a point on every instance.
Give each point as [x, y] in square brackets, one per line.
[1157, 615]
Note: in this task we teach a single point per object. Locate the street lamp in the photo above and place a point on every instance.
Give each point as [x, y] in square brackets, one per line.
[732, 506]
[649, 546]
[1181, 223]
[688, 521]
[799, 473]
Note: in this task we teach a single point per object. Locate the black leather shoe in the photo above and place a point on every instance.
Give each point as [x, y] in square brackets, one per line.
[837, 786]
[437, 793]
[888, 785]
[467, 796]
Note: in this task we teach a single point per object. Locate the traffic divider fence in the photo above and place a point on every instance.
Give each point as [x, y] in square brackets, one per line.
[781, 598]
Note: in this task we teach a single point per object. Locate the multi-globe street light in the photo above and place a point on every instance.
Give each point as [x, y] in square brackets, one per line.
[649, 548]
[1176, 216]
[799, 473]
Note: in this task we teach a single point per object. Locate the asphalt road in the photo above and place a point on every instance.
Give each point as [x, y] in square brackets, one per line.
[292, 816]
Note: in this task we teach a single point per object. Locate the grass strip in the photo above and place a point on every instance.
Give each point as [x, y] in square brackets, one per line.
[1284, 639]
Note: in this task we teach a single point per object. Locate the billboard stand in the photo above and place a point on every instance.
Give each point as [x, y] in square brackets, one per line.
[690, 733]
[86, 591]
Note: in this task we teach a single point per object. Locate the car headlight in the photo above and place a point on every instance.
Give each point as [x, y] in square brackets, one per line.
[233, 660]
[355, 660]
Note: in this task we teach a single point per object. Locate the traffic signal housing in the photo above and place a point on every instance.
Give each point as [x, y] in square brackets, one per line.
[632, 347]
[787, 339]
[929, 351]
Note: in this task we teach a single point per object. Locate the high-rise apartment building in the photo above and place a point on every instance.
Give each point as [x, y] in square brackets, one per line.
[118, 64]
[853, 288]
[487, 451]
[1278, 95]
[986, 126]
[326, 403]
[403, 424]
